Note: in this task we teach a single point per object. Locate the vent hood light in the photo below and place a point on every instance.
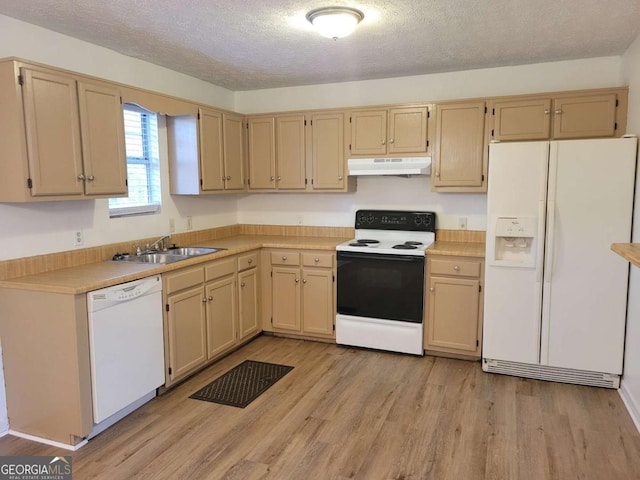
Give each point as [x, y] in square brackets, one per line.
[390, 166]
[335, 22]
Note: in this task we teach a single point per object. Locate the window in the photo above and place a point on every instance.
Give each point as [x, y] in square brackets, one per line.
[143, 164]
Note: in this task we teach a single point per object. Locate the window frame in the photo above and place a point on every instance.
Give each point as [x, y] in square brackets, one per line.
[148, 159]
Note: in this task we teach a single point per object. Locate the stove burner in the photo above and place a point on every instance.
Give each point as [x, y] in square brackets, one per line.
[358, 244]
[412, 242]
[404, 246]
[367, 240]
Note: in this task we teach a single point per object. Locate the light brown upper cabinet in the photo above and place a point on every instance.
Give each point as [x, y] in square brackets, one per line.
[206, 153]
[62, 137]
[277, 152]
[327, 151]
[389, 131]
[586, 114]
[460, 160]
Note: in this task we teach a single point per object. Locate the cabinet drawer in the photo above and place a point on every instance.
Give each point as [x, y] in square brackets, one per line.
[463, 268]
[317, 260]
[285, 258]
[220, 268]
[247, 261]
[181, 279]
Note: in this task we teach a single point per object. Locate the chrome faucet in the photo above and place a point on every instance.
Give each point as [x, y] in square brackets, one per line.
[165, 243]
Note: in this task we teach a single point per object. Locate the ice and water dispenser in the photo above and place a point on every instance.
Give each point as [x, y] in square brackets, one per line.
[515, 241]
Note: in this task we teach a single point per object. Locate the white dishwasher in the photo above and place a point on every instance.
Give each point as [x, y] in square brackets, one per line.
[126, 345]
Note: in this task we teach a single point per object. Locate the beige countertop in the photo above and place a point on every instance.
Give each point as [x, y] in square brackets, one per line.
[460, 249]
[85, 278]
[630, 251]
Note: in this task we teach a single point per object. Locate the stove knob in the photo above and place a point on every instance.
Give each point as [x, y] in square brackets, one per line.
[418, 220]
[370, 219]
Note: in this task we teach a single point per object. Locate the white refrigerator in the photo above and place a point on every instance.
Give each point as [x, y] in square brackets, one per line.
[555, 294]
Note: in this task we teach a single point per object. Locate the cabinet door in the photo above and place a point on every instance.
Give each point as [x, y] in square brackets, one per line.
[285, 286]
[211, 163]
[327, 151]
[584, 116]
[453, 322]
[221, 315]
[103, 147]
[369, 132]
[52, 124]
[318, 312]
[290, 152]
[521, 120]
[262, 153]
[233, 152]
[408, 130]
[459, 158]
[248, 301]
[186, 332]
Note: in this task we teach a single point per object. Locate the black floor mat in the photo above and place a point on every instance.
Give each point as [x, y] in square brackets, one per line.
[242, 384]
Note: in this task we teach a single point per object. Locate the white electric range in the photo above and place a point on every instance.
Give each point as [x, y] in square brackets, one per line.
[380, 281]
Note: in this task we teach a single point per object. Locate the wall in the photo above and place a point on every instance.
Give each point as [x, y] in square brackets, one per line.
[630, 387]
[543, 77]
[24, 224]
[412, 193]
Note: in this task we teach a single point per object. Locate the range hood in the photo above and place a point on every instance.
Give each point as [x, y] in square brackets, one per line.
[390, 166]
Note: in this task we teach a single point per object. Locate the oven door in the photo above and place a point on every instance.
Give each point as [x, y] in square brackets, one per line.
[381, 286]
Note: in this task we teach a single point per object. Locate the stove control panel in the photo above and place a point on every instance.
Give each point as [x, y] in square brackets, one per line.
[396, 220]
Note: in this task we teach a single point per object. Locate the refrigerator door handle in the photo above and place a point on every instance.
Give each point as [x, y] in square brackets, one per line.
[540, 241]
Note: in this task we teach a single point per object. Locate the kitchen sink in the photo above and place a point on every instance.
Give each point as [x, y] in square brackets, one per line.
[170, 256]
[163, 258]
[192, 251]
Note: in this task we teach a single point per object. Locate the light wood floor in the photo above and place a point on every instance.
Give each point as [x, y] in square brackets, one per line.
[348, 413]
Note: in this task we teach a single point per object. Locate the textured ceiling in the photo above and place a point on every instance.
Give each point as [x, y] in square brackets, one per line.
[254, 44]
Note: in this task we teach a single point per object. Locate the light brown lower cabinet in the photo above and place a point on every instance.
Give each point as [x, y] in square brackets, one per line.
[454, 302]
[47, 373]
[303, 293]
[201, 313]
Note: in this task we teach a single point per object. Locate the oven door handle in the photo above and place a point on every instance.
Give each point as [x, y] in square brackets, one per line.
[381, 256]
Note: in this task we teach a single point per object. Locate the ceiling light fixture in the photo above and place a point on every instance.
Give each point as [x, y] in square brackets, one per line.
[335, 22]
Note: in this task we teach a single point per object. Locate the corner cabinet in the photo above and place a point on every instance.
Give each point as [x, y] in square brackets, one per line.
[586, 114]
[209, 310]
[206, 153]
[62, 136]
[460, 160]
[389, 131]
[302, 293]
[454, 305]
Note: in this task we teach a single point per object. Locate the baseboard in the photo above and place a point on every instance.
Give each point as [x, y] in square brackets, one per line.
[46, 441]
[631, 405]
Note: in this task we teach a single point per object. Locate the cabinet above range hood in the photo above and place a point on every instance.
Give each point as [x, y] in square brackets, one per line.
[390, 166]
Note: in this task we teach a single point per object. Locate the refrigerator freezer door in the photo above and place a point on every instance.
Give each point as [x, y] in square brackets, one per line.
[512, 298]
[585, 283]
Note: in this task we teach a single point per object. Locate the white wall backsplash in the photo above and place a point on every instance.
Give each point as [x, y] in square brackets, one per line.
[630, 387]
[543, 77]
[386, 192]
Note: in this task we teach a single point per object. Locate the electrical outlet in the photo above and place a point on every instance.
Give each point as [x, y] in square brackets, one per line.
[78, 239]
[462, 223]
[299, 219]
[172, 225]
[189, 223]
